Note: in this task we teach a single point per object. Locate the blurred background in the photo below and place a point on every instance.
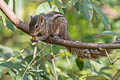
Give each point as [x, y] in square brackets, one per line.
[15, 45]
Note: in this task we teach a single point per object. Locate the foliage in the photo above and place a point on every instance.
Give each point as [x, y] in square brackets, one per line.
[20, 59]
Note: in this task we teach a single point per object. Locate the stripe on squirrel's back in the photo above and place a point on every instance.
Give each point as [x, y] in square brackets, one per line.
[54, 15]
[57, 16]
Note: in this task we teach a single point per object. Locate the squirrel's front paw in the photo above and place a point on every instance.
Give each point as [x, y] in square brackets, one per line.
[35, 39]
[56, 37]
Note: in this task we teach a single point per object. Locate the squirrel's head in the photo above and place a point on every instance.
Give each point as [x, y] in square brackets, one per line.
[37, 26]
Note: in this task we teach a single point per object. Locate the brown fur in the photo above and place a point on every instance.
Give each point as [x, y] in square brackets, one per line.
[55, 24]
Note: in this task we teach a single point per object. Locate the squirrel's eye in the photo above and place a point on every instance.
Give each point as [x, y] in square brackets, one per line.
[36, 26]
[41, 20]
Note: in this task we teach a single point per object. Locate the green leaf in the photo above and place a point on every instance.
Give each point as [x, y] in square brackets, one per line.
[87, 9]
[80, 63]
[74, 1]
[106, 74]
[97, 61]
[117, 39]
[7, 1]
[50, 3]
[6, 52]
[12, 73]
[14, 6]
[25, 76]
[56, 48]
[104, 68]
[110, 33]
[78, 6]
[11, 65]
[9, 25]
[18, 77]
[40, 74]
[89, 65]
[45, 8]
[1, 72]
[51, 68]
[96, 78]
[102, 16]
[96, 19]
[27, 59]
[1, 23]
[59, 5]
[1, 19]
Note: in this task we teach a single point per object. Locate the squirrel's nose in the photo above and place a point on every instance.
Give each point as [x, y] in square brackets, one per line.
[33, 34]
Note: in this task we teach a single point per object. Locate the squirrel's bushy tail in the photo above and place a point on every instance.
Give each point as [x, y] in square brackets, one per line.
[88, 53]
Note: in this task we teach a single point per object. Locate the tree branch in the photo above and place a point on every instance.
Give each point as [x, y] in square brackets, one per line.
[20, 25]
[82, 45]
[13, 18]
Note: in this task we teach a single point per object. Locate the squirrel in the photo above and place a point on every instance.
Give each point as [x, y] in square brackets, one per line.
[55, 24]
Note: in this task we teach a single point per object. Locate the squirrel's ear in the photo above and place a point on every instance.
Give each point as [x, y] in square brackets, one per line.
[31, 17]
[32, 20]
[41, 19]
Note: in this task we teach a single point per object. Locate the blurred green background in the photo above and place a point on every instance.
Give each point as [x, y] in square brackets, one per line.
[16, 49]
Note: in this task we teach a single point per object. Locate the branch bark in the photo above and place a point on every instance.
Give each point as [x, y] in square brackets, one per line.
[82, 45]
[24, 27]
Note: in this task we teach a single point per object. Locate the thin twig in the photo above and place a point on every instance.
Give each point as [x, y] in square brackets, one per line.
[34, 56]
[112, 62]
[116, 60]
[68, 62]
[35, 51]
[53, 62]
[27, 68]
[43, 49]
[22, 50]
[70, 65]
[115, 74]
[8, 60]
